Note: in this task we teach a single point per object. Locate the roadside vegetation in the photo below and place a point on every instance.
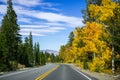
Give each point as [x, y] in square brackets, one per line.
[96, 44]
[15, 54]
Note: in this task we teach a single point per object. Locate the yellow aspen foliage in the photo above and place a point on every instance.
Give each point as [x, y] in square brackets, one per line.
[103, 12]
[80, 52]
[90, 36]
[77, 49]
[105, 2]
[118, 56]
[92, 30]
[106, 55]
[97, 65]
[87, 43]
[90, 46]
[49, 59]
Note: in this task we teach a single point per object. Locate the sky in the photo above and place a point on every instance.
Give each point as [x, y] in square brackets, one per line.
[50, 21]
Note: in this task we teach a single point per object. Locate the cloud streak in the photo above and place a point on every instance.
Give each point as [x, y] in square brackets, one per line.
[35, 34]
[29, 3]
[39, 32]
[52, 22]
[50, 17]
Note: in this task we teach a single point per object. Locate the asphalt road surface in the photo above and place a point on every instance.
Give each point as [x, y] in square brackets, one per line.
[66, 72]
[63, 72]
[30, 74]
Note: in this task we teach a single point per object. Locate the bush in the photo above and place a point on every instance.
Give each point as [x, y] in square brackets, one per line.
[3, 67]
[13, 65]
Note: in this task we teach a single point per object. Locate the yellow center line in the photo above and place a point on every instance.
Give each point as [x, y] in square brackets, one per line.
[47, 73]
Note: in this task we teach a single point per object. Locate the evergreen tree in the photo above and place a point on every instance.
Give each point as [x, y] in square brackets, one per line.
[24, 53]
[42, 58]
[52, 58]
[10, 35]
[31, 56]
[36, 53]
[71, 38]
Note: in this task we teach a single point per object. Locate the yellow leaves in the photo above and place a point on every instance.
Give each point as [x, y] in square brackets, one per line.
[93, 30]
[105, 2]
[90, 46]
[81, 51]
[49, 59]
[103, 12]
[117, 56]
[107, 54]
[90, 36]
[97, 65]
[93, 10]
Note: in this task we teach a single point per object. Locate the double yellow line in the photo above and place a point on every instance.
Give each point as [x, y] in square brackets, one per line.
[47, 73]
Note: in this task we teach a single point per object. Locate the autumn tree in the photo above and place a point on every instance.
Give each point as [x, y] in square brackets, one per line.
[86, 13]
[62, 53]
[108, 14]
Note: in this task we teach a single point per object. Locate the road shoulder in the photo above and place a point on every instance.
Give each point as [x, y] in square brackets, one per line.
[96, 75]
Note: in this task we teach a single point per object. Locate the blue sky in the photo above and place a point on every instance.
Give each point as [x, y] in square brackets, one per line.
[50, 21]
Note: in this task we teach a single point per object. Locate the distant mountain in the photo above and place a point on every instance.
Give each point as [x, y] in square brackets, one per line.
[51, 51]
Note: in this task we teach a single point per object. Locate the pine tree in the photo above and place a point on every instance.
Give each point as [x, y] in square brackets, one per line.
[10, 35]
[71, 38]
[36, 53]
[42, 58]
[31, 56]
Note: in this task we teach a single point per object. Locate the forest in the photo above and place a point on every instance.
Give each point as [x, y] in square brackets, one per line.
[15, 53]
[96, 45]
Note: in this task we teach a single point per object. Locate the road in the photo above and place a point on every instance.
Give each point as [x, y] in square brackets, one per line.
[66, 72]
[30, 74]
[63, 72]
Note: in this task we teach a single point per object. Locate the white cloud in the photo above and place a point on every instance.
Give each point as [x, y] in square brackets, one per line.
[45, 30]
[3, 9]
[26, 20]
[30, 3]
[39, 29]
[27, 2]
[54, 17]
[49, 16]
[53, 22]
[34, 34]
[1, 18]
[50, 8]
[34, 26]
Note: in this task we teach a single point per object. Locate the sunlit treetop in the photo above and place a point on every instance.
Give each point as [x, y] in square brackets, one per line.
[102, 12]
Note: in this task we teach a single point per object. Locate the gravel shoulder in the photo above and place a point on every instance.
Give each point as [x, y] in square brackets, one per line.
[99, 76]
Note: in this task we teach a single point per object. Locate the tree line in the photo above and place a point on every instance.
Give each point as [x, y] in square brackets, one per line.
[96, 45]
[13, 52]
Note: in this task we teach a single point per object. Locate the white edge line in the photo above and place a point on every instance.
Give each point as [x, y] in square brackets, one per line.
[17, 73]
[82, 74]
[5, 75]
